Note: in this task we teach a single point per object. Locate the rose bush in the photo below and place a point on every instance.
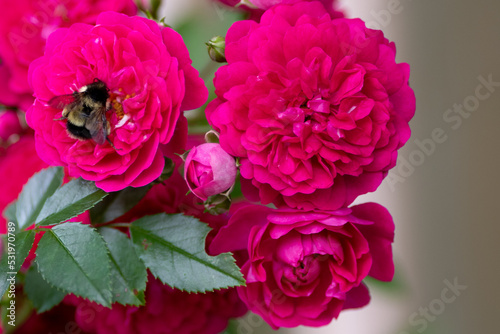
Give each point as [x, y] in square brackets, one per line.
[209, 170]
[305, 267]
[24, 28]
[148, 72]
[315, 108]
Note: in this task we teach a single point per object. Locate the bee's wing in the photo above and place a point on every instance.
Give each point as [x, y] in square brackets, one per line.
[97, 125]
[59, 102]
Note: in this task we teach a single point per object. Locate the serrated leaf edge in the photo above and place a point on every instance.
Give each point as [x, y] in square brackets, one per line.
[69, 292]
[17, 249]
[223, 287]
[190, 256]
[112, 259]
[57, 170]
[41, 223]
[241, 279]
[48, 283]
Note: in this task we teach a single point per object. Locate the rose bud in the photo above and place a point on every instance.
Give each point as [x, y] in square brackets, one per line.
[209, 170]
[216, 48]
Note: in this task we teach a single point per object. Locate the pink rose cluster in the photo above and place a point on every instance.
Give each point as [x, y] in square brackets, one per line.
[315, 109]
[24, 29]
[148, 72]
[311, 107]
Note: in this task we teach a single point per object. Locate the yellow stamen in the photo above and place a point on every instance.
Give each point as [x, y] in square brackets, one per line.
[117, 106]
[116, 102]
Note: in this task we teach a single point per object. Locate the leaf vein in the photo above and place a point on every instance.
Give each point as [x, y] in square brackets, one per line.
[78, 265]
[187, 254]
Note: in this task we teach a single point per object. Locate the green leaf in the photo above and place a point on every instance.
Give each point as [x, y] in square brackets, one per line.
[10, 212]
[43, 295]
[117, 204]
[128, 274]
[73, 257]
[173, 248]
[23, 242]
[72, 199]
[34, 194]
[397, 286]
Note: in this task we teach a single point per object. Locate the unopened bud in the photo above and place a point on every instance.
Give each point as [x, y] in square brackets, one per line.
[209, 170]
[216, 49]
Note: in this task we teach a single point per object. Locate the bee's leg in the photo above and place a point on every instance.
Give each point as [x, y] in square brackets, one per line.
[110, 143]
[60, 119]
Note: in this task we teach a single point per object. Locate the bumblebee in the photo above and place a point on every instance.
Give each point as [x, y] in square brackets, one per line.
[85, 112]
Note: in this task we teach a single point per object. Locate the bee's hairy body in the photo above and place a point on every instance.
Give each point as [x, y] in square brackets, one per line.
[85, 112]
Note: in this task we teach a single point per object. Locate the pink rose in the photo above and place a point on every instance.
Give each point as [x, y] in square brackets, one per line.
[257, 7]
[148, 72]
[17, 164]
[209, 170]
[305, 267]
[166, 311]
[24, 28]
[315, 108]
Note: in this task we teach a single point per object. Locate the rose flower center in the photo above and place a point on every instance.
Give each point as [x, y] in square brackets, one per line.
[118, 118]
[305, 272]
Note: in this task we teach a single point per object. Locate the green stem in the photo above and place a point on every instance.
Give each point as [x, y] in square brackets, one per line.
[209, 69]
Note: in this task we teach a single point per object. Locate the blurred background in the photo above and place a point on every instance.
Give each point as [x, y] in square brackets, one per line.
[443, 192]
